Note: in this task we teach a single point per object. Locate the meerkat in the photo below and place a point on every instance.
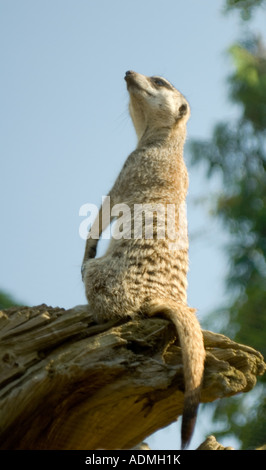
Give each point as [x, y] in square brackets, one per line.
[140, 275]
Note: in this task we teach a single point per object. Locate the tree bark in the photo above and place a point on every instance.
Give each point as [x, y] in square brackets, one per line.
[68, 383]
[211, 444]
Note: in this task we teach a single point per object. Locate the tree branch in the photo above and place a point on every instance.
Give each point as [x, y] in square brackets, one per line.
[68, 383]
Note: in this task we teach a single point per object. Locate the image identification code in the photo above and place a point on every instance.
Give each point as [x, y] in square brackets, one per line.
[139, 459]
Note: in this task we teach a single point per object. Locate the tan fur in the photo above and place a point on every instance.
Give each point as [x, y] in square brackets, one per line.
[146, 275]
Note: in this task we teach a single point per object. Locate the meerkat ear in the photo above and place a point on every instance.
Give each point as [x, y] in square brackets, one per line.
[183, 112]
[183, 109]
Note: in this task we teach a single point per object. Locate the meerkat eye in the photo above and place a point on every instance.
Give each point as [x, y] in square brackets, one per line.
[159, 82]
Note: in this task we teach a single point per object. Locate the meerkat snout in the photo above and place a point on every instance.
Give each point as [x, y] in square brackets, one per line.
[128, 73]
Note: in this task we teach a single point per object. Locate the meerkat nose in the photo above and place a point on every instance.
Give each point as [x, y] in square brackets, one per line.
[128, 73]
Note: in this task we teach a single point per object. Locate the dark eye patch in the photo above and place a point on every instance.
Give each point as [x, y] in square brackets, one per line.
[158, 81]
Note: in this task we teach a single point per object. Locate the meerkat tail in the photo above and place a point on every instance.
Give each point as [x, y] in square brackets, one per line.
[193, 355]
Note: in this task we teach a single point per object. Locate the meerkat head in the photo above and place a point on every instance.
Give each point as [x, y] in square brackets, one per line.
[155, 104]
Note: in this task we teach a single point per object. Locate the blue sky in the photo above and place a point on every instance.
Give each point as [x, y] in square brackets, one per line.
[65, 131]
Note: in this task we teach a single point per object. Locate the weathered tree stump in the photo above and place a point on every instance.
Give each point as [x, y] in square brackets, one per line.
[211, 444]
[68, 383]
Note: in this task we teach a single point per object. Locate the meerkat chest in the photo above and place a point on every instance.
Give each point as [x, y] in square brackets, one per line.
[153, 173]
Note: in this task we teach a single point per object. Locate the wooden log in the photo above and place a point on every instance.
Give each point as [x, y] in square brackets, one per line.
[211, 444]
[68, 383]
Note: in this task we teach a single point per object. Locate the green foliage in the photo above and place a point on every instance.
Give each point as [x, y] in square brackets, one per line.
[245, 418]
[246, 7]
[6, 300]
[238, 152]
[248, 83]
